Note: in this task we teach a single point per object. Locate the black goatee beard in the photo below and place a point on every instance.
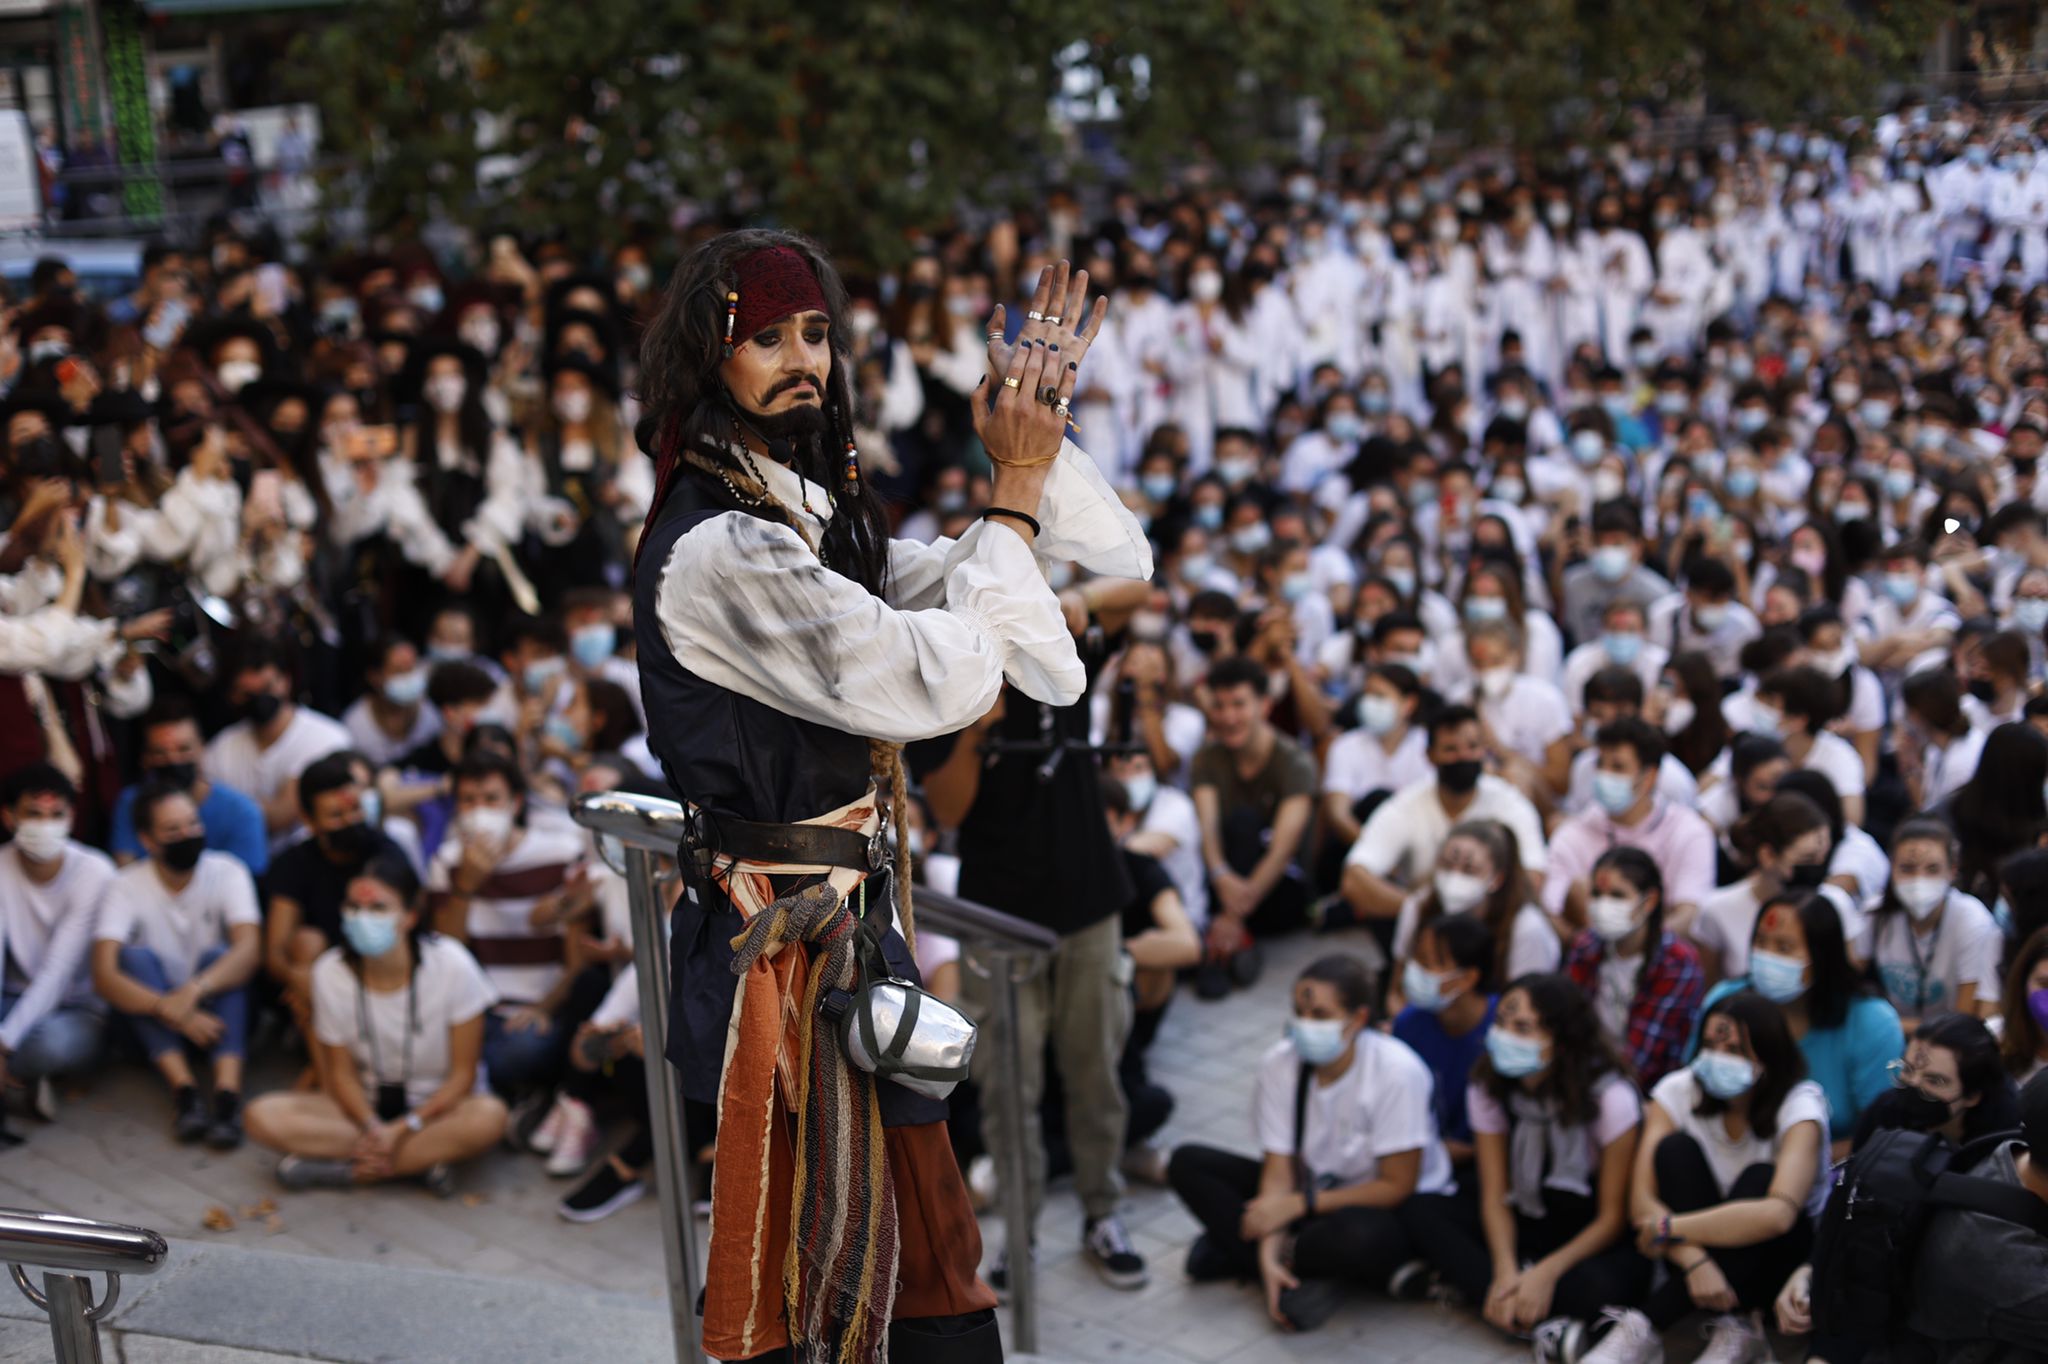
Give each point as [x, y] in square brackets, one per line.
[797, 428]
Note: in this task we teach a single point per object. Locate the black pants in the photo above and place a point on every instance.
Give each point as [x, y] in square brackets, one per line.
[975, 1338]
[1447, 1232]
[1285, 907]
[1686, 1184]
[1362, 1244]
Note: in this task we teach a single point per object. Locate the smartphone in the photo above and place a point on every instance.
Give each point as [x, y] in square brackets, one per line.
[171, 316]
[108, 466]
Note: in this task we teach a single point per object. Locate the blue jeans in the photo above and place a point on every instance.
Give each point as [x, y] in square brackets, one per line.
[66, 1039]
[516, 1062]
[231, 1007]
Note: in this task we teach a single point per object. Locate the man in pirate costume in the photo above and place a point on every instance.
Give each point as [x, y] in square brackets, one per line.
[787, 649]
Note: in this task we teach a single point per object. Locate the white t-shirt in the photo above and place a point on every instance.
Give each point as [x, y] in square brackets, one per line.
[1617, 1110]
[1678, 1094]
[1949, 768]
[1581, 663]
[142, 911]
[368, 737]
[1403, 836]
[448, 989]
[1358, 763]
[233, 759]
[46, 934]
[1380, 1107]
[1614, 993]
[1859, 855]
[1836, 759]
[1172, 812]
[1922, 972]
[1533, 944]
[1529, 718]
[1727, 921]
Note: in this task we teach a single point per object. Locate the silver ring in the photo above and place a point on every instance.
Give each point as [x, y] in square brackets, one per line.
[995, 336]
[1035, 315]
[1062, 408]
[1053, 320]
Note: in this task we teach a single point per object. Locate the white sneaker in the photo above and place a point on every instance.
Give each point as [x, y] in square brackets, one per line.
[981, 1182]
[1631, 1340]
[575, 1140]
[550, 1130]
[1734, 1340]
[44, 1103]
[1557, 1341]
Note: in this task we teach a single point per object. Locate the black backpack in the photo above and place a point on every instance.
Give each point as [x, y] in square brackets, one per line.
[1864, 1250]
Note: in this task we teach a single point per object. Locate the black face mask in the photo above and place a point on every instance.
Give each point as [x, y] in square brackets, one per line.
[181, 775]
[1921, 1112]
[1459, 777]
[183, 854]
[1983, 688]
[352, 842]
[1205, 641]
[260, 709]
[1806, 875]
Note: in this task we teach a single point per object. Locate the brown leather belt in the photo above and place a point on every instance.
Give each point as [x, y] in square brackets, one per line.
[811, 845]
[541, 949]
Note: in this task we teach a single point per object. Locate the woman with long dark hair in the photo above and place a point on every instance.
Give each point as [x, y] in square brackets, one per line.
[1950, 1081]
[1645, 983]
[2023, 1041]
[1693, 723]
[1933, 947]
[2000, 810]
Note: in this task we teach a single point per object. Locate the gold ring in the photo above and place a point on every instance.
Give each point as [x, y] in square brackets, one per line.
[1009, 382]
[1035, 315]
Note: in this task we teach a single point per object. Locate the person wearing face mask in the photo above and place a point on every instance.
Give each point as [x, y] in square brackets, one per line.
[398, 1012]
[1709, 618]
[1848, 1034]
[1621, 643]
[1326, 448]
[1787, 844]
[1907, 620]
[492, 885]
[1933, 948]
[1168, 828]
[273, 740]
[389, 720]
[1448, 1009]
[1386, 752]
[1212, 356]
[1644, 981]
[2023, 1040]
[467, 498]
[1938, 746]
[1614, 572]
[307, 879]
[587, 484]
[1400, 843]
[173, 952]
[1949, 1082]
[1729, 1183]
[1541, 1242]
[1346, 1135]
[1798, 704]
[52, 888]
[1997, 687]
[1478, 872]
[172, 749]
[1528, 722]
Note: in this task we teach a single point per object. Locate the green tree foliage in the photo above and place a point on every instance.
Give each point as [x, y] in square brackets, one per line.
[857, 118]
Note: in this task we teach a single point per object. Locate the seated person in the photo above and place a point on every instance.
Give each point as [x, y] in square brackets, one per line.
[494, 885]
[172, 749]
[1399, 844]
[1478, 872]
[1950, 1081]
[1786, 840]
[1254, 790]
[1729, 1180]
[51, 891]
[174, 950]
[1619, 645]
[1848, 1035]
[1168, 829]
[2023, 1041]
[1528, 724]
[1448, 1011]
[1858, 865]
[388, 720]
[1798, 704]
[1644, 981]
[275, 739]
[1933, 948]
[1388, 751]
[1614, 694]
[1541, 1240]
[399, 1011]
[1630, 812]
[1346, 1134]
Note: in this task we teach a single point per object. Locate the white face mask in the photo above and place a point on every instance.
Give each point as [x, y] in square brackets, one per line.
[1205, 286]
[483, 332]
[487, 824]
[1494, 683]
[1458, 891]
[42, 840]
[446, 392]
[573, 405]
[1921, 895]
[236, 375]
[1611, 917]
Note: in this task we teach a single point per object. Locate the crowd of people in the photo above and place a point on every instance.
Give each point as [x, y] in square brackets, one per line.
[1606, 594]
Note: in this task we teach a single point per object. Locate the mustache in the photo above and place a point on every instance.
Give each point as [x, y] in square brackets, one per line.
[793, 383]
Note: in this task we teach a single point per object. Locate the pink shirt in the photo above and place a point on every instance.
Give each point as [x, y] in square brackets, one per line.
[1677, 840]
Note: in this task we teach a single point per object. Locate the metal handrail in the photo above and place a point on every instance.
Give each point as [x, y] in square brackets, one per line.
[66, 1249]
[645, 827]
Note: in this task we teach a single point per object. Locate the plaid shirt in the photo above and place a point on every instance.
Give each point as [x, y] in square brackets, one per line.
[1661, 1016]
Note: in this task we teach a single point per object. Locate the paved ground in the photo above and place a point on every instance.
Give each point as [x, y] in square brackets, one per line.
[110, 1156]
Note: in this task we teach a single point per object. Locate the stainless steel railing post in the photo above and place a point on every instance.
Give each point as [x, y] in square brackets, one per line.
[73, 1333]
[66, 1249]
[1016, 1176]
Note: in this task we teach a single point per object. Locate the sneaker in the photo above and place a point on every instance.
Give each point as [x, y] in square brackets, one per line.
[1212, 979]
[1246, 963]
[1557, 1341]
[439, 1179]
[525, 1117]
[43, 1100]
[981, 1182]
[601, 1195]
[192, 1120]
[1631, 1340]
[1145, 1164]
[1415, 1281]
[1734, 1340]
[304, 1172]
[999, 1275]
[1307, 1306]
[576, 1140]
[224, 1133]
[1108, 1247]
[1207, 1264]
[550, 1130]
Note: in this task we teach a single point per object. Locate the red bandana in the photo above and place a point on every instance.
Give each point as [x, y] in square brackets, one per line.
[774, 282]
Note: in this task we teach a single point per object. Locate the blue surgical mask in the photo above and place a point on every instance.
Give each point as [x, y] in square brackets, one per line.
[1251, 538]
[1902, 588]
[1196, 568]
[2030, 614]
[1424, 988]
[1486, 608]
[1512, 1057]
[371, 803]
[1403, 580]
[448, 653]
[1614, 791]
[1622, 649]
[1611, 563]
[1237, 472]
[1297, 586]
[542, 671]
[1588, 446]
[1318, 1041]
[1778, 979]
[559, 729]
[1141, 787]
[1899, 484]
[1740, 482]
[1375, 401]
[371, 932]
[593, 644]
[1750, 420]
[1508, 490]
[1724, 1076]
[406, 689]
[1379, 714]
[1158, 487]
[1345, 426]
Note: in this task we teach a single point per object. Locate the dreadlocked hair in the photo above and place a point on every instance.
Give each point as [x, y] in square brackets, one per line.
[690, 412]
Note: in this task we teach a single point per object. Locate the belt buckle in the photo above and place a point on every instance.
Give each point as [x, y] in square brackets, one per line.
[878, 856]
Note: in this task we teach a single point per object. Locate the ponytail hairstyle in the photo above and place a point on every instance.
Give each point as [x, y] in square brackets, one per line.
[1637, 868]
[389, 868]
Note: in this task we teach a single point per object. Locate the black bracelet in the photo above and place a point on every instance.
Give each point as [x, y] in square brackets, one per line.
[1030, 521]
[1308, 1200]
